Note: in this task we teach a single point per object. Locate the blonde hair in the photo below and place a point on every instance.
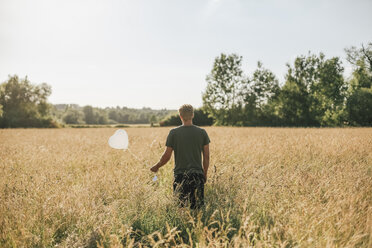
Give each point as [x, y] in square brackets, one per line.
[186, 111]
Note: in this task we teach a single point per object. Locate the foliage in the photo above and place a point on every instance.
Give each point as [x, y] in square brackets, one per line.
[262, 89]
[223, 96]
[75, 114]
[137, 116]
[24, 104]
[173, 120]
[201, 118]
[359, 101]
[361, 58]
[359, 107]
[89, 116]
[315, 92]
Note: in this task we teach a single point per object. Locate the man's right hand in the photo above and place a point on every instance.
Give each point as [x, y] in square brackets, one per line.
[155, 168]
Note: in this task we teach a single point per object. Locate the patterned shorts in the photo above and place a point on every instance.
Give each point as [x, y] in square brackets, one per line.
[189, 188]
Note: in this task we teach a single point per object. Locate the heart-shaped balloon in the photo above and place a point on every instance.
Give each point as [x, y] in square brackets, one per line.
[119, 140]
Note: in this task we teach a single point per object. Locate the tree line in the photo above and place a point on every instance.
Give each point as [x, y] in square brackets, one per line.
[201, 118]
[314, 93]
[23, 104]
[75, 114]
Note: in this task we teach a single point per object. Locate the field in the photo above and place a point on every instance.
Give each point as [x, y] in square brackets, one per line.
[267, 187]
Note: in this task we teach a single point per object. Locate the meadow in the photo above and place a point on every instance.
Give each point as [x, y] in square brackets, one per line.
[267, 187]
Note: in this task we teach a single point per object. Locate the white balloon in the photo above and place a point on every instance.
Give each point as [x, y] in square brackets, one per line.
[119, 140]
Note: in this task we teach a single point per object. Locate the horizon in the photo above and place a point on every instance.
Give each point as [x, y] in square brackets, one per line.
[157, 54]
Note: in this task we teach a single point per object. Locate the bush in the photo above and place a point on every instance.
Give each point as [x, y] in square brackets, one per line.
[201, 118]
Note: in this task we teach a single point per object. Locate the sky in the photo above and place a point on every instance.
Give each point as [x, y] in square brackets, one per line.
[158, 53]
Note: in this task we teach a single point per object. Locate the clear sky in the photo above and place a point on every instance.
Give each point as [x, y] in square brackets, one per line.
[158, 53]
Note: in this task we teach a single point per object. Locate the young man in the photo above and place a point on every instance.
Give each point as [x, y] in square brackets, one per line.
[188, 143]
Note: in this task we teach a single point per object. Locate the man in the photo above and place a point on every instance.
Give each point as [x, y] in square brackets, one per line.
[188, 143]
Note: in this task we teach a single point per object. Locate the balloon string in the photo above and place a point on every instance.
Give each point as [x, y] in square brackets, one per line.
[135, 156]
[155, 178]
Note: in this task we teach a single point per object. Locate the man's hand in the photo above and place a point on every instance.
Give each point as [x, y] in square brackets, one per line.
[163, 160]
[155, 168]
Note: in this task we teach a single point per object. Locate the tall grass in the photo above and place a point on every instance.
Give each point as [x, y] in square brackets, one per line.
[267, 187]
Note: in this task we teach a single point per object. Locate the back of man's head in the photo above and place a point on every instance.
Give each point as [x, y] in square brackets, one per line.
[186, 111]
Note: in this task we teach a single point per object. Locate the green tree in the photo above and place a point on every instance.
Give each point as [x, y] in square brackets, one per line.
[359, 99]
[262, 88]
[293, 105]
[73, 116]
[223, 97]
[113, 115]
[25, 104]
[328, 92]
[124, 118]
[264, 85]
[359, 107]
[294, 98]
[314, 92]
[361, 60]
[89, 115]
[100, 117]
[201, 118]
[153, 120]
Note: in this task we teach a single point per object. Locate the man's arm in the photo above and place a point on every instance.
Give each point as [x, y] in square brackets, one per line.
[205, 160]
[163, 160]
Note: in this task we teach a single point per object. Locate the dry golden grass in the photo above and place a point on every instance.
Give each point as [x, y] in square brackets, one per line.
[267, 187]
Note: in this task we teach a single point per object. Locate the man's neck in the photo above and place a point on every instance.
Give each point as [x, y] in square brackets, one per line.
[187, 123]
